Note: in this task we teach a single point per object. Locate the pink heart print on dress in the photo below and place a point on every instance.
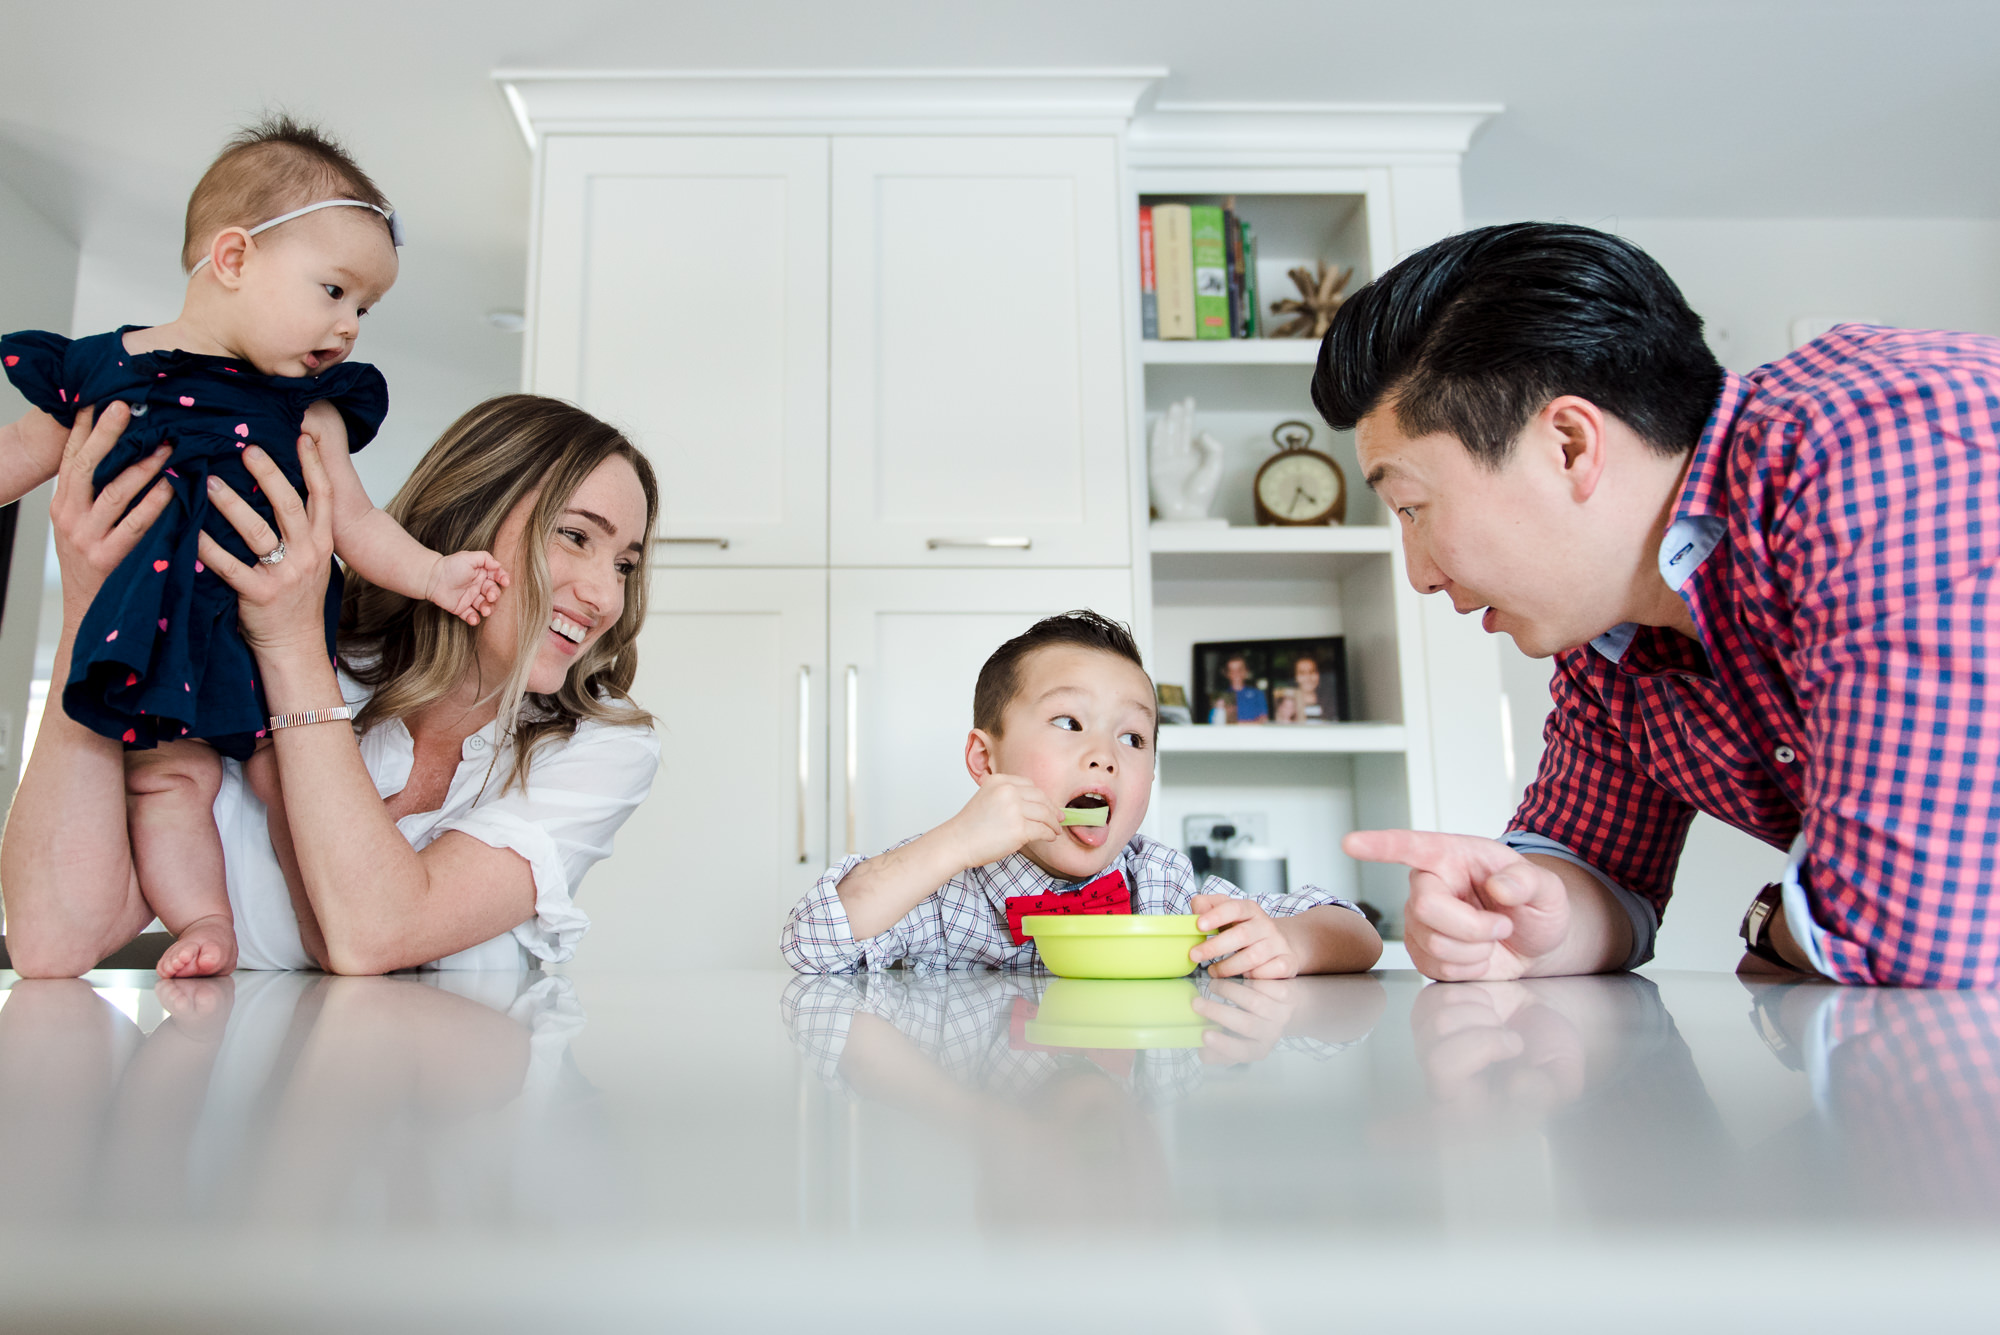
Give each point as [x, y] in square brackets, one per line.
[243, 429]
[187, 401]
[159, 566]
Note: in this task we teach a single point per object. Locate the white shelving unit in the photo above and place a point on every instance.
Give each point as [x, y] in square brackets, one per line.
[1230, 352]
[1358, 187]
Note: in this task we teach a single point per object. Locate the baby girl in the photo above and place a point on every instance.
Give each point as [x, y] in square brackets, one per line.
[288, 245]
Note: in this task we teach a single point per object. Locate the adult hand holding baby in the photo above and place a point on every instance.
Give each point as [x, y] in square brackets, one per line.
[281, 605]
[93, 532]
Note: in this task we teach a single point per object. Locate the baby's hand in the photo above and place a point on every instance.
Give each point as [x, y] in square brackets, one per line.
[1006, 813]
[467, 585]
[1257, 947]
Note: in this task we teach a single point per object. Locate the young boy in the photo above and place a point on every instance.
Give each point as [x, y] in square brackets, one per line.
[1062, 717]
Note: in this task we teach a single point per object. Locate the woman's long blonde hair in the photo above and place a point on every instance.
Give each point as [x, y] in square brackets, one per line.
[414, 654]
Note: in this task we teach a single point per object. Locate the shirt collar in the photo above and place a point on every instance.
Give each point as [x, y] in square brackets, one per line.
[1699, 522]
[1015, 874]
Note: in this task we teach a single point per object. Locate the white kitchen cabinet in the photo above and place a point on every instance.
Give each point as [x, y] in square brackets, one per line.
[978, 377]
[879, 331]
[905, 648]
[732, 663]
[680, 290]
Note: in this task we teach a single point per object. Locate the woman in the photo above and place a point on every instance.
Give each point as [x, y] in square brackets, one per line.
[435, 833]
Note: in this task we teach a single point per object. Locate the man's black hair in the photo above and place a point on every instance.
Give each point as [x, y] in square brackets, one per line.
[1000, 679]
[1473, 335]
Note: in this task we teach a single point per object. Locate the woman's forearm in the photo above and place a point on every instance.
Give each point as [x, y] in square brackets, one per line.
[365, 884]
[65, 861]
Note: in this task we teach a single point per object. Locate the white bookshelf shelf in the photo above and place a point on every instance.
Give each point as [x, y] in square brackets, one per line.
[1275, 739]
[1230, 352]
[1238, 540]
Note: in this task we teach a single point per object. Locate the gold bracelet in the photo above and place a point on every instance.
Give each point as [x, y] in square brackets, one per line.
[311, 716]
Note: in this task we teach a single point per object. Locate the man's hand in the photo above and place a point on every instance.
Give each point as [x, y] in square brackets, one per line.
[1257, 947]
[1477, 909]
[1496, 1052]
[1005, 815]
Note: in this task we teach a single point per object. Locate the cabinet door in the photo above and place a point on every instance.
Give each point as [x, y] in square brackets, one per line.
[680, 292]
[978, 395]
[732, 666]
[905, 649]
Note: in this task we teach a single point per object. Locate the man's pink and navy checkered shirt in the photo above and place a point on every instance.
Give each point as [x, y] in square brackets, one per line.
[1836, 542]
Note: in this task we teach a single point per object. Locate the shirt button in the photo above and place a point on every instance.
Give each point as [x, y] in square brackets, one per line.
[479, 744]
[1785, 755]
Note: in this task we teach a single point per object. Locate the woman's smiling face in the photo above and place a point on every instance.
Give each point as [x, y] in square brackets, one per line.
[598, 542]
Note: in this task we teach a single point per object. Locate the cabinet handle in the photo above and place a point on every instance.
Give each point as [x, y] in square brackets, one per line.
[720, 544]
[805, 750]
[853, 747]
[1014, 544]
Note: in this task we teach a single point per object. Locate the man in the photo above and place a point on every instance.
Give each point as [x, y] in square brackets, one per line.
[1248, 703]
[1767, 597]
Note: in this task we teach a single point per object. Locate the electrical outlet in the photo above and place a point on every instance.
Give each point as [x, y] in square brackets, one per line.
[1251, 827]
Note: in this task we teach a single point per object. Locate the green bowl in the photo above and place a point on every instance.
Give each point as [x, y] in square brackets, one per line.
[1117, 1013]
[1115, 945]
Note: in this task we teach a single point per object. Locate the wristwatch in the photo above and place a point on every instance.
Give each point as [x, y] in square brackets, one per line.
[1756, 928]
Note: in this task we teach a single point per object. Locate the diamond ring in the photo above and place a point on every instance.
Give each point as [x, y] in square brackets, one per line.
[275, 555]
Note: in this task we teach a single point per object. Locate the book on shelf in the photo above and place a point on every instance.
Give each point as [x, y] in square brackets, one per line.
[1232, 251]
[1149, 295]
[1253, 325]
[1211, 272]
[1173, 270]
[1197, 273]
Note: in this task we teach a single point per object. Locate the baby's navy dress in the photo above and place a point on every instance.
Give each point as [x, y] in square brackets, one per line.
[159, 656]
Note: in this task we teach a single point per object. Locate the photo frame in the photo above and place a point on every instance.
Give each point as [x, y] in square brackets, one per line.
[1280, 682]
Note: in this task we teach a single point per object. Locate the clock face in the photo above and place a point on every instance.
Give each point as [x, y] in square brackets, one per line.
[1299, 487]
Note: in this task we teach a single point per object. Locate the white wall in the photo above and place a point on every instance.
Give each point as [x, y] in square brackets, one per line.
[1749, 279]
[37, 287]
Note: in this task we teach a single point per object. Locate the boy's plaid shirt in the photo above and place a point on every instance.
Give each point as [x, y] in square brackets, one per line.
[964, 922]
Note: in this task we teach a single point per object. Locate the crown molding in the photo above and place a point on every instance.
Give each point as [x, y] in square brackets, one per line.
[639, 101]
[1303, 134]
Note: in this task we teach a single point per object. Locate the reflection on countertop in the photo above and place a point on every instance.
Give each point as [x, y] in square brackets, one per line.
[603, 1148]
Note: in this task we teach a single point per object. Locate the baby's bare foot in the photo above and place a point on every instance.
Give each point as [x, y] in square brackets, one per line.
[204, 947]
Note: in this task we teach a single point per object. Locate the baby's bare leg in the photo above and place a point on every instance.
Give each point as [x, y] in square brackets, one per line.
[177, 851]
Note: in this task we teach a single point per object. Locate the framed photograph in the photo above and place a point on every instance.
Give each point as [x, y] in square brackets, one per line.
[1271, 681]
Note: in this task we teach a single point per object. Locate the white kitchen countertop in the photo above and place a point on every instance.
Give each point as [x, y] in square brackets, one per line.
[754, 1151]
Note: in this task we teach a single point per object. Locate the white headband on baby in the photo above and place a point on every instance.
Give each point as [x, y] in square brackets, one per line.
[388, 216]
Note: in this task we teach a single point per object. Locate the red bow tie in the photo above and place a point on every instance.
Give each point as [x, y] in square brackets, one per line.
[1106, 894]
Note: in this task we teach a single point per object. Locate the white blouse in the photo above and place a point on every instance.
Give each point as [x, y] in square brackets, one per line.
[578, 792]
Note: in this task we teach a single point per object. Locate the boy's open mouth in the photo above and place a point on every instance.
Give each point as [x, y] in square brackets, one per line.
[1091, 802]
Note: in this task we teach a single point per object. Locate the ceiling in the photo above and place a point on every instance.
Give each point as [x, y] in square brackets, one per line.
[1614, 108]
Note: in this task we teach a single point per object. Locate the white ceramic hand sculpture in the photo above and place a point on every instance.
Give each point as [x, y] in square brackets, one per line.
[1185, 468]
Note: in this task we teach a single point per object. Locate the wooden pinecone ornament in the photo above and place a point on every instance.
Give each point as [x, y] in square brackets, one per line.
[1319, 297]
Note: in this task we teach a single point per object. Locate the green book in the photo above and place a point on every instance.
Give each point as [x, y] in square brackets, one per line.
[1211, 272]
